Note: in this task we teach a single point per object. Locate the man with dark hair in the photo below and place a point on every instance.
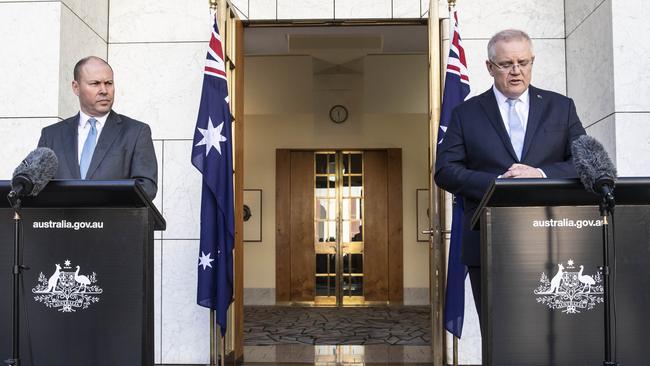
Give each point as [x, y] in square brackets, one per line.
[513, 130]
[98, 143]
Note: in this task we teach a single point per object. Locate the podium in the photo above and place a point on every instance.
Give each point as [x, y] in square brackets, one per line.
[542, 290]
[87, 298]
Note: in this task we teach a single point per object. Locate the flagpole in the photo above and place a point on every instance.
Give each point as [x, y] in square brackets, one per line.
[212, 342]
[214, 329]
[451, 4]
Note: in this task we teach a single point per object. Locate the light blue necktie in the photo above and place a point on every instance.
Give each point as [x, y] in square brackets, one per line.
[516, 128]
[89, 148]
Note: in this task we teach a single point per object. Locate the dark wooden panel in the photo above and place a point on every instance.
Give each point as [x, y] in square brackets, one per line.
[395, 227]
[282, 225]
[303, 256]
[375, 257]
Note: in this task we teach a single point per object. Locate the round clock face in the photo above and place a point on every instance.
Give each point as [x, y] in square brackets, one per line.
[338, 114]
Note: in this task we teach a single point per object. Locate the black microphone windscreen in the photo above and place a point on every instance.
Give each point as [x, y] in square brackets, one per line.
[591, 161]
[39, 166]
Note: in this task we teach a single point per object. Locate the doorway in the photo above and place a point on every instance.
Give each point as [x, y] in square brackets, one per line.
[339, 225]
[338, 220]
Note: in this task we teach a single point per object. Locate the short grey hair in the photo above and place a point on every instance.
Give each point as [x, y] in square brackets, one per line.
[506, 35]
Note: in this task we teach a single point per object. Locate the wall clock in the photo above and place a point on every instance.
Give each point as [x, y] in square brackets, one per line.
[338, 114]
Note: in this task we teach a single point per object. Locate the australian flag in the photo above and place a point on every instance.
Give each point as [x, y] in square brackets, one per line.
[212, 156]
[455, 92]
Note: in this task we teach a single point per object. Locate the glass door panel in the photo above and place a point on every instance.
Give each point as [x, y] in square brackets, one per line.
[339, 227]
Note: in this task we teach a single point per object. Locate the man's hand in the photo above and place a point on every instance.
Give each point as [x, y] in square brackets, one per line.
[522, 171]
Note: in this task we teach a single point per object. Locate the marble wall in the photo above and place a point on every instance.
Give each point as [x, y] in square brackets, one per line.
[606, 43]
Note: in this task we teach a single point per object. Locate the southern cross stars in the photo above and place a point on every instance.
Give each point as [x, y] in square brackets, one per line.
[212, 137]
[205, 260]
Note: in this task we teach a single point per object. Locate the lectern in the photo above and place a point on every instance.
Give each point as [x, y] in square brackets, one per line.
[87, 298]
[542, 290]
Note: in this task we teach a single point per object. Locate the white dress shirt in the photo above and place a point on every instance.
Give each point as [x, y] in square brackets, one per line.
[522, 107]
[84, 129]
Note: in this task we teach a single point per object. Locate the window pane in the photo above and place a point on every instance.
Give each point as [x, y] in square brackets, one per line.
[321, 186]
[321, 163]
[357, 230]
[331, 166]
[356, 208]
[356, 166]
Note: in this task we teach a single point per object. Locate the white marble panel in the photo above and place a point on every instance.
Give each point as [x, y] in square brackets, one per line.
[305, 9]
[160, 21]
[77, 42]
[406, 9]
[359, 9]
[469, 345]
[484, 18]
[182, 192]
[157, 299]
[93, 13]
[18, 136]
[262, 9]
[605, 132]
[407, 77]
[548, 71]
[265, 75]
[29, 59]
[166, 94]
[241, 7]
[416, 296]
[185, 325]
[633, 144]
[590, 70]
[259, 296]
[631, 27]
[576, 11]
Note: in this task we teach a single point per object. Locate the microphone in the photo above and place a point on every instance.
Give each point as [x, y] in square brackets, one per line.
[34, 172]
[594, 167]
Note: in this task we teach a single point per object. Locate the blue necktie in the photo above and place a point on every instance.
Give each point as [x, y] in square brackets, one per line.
[516, 128]
[89, 148]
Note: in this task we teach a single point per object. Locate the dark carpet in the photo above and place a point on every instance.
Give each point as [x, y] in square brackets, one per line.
[274, 325]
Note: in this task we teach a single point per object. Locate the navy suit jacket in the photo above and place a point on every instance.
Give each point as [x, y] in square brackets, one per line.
[124, 150]
[476, 149]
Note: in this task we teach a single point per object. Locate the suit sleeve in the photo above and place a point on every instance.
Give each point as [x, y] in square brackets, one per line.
[452, 171]
[43, 141]
[565, 168]
[144, 166]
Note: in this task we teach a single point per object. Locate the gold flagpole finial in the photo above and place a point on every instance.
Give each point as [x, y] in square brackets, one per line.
[451, 3]
[213, 4]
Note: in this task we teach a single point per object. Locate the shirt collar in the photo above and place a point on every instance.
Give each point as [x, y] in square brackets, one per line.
[501, 99]
[83, 118]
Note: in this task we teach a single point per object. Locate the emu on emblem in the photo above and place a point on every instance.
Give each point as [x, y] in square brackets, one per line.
[67, 290]
[570, 290]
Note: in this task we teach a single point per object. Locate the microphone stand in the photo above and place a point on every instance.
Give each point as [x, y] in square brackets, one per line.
[14, 201]
[606, 208]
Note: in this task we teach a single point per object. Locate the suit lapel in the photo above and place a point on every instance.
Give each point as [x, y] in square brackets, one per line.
[110, 131]
[489, 104]
[70, 152]
[536, 109]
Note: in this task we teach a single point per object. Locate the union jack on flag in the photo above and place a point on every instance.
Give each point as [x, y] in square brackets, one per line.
[456, 79]
[212, 156]
[455, 92]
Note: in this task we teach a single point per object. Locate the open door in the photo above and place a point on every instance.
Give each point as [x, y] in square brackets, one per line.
[233, 43]
[437, 266]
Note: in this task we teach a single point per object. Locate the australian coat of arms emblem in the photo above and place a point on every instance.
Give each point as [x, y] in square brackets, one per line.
[67, 290]
[570, 289]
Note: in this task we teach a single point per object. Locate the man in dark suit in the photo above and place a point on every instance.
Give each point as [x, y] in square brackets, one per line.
[513, 130]
[98, 143]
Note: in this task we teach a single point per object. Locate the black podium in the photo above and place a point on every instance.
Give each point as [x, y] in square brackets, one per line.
[87, 298]
[542, 291]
